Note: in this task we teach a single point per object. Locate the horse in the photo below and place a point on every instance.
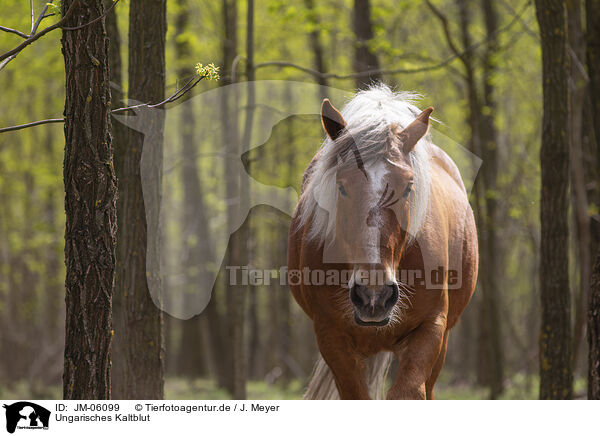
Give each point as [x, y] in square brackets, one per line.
[382, 203]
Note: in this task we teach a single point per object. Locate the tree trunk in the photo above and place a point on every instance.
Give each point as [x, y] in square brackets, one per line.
[593, 316]
[192, 359]
[238, 299]
[314, 39]
[139, 349]
[229, 122]
[90, 206]
[580, 202]
[491, 251]
[556, 373]
[487, 370]
[594, 334]
[593, 59]
[364, 58]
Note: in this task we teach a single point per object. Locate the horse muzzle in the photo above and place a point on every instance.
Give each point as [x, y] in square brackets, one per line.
[373, 306]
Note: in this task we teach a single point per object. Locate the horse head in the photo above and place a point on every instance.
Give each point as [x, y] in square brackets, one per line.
[373, 176]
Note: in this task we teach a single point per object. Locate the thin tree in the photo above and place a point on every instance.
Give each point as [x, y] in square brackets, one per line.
[582, 237]
[90, 205]
[238, 301]
[556, 373]
[492, 251]
[230, 125]
[364, 57]
[481, 98]
[139, 347]
[195, 350]
[314, 39]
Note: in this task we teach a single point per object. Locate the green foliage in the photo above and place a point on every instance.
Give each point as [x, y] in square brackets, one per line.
[209, 71]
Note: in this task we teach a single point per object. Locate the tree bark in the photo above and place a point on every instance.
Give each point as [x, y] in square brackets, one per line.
[139, 347]
[90, 206]
[594, 333]
[593, 315]
[593, 59]
[556, 373]
[364, 58]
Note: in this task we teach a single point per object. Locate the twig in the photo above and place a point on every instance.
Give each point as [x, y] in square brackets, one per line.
[34, 25]
[12, 53]
[180, 92]
[461, 55]
[32, 124]
[32, 16]
[16, 32]
[444, 20]
[525, 25]
[41, 17]
[442, 64]
[354, 75]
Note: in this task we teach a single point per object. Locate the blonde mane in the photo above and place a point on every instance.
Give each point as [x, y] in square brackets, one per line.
[370, 116]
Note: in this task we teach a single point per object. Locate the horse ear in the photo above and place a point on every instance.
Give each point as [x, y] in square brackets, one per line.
[332, 120]
[409, 136]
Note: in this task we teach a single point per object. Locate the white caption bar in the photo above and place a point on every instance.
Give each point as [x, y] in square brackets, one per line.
[298, 417]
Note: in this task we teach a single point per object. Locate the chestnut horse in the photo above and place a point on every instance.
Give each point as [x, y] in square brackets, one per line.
[386, 208]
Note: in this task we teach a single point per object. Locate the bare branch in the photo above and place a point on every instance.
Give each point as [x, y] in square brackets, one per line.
[456, 54]
[444, 20]
[354, 75]
[179, 92]
[32, 38]
[16, 32]
[10, 55]
[461, 55]
[32, 124]
[41, 17]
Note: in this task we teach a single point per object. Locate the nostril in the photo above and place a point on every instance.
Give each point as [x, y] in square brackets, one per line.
[393, 292]
[355, 295]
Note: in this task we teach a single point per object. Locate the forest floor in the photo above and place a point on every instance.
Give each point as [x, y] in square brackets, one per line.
[519, 387]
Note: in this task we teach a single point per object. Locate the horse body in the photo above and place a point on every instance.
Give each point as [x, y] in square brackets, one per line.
[354, 325]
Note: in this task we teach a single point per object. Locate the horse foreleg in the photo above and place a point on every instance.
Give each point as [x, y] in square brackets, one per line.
[417, 356]
[348, 366]
[437, 368]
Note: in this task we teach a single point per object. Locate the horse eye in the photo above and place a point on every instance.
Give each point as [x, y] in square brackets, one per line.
[407, 190]
[342, 190]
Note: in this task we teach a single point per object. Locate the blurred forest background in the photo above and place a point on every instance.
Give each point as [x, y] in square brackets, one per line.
[478, 62]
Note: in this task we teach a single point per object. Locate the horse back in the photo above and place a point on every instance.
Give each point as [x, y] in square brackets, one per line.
[463, 246]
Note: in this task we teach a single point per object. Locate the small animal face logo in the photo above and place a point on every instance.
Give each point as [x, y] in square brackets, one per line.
[26, 415]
